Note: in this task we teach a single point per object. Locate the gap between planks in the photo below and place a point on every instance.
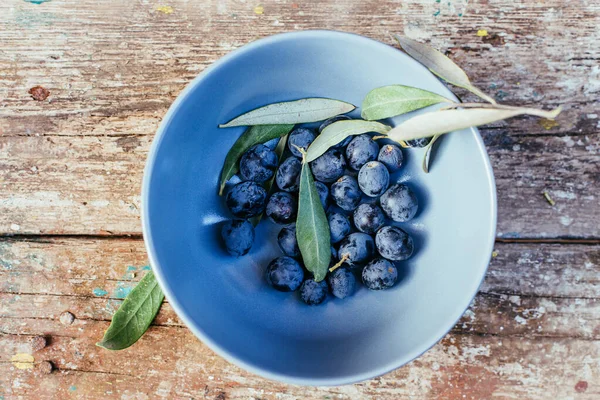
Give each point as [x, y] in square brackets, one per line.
[455, 330]
[495, 294]
[42, 238]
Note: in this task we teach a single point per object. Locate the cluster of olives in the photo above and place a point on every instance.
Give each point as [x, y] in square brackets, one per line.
[353, 182]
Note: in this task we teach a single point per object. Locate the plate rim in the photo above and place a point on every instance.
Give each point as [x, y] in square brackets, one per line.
[157, 270]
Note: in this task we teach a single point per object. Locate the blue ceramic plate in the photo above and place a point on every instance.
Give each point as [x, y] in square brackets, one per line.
[226, 302]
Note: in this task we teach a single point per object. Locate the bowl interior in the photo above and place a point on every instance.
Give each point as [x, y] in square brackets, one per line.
[226, 301]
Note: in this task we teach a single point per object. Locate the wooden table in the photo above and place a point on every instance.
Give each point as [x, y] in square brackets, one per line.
[71, 167]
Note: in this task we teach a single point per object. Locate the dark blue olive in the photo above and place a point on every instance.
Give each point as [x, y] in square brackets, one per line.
[399, 203]
[342, 282]
[373, 178]
[329, 167]
[246, 199]
[344, 143]
[339, 226]
[238, 236]
[287, 241]
[393, 243]
[258, 163]
[368, 218]
[301, 137]
[391, 156]
[312, 292]
[379, 274]
[323, 191]
[288, 174]
[357, 247]
[282, 208]
[360, 151]
[421, 142]
[346, 193]
[330, 121]
[272, 144]
[284, 274]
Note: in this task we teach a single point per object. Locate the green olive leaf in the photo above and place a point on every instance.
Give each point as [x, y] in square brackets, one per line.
[135, 315]
[292, 112]
[312, 228]
[389, 101]
[269, 184]
[444, 121]
[340, 130]
[253, 135]
[440, 65]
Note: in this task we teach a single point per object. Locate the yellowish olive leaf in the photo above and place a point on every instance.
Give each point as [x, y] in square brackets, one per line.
[440, 65]
[444, 121]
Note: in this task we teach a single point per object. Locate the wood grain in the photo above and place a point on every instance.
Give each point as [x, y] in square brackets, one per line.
[118, 78]
[119, 63]
[72, 164]
[497, 348]
[171, 363]
[91, 184]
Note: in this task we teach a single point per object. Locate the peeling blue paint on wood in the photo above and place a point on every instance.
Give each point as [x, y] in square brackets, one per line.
[99, 292]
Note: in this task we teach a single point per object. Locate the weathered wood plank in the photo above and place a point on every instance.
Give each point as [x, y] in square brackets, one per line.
[544, 270]
[498, 315]
[69, 266]
[130, 64]
[566, 167]
[91, 185]
[530, 290]
[171, 363]
[73, 266]
[114, 67]
[529, 305]
[86, 185]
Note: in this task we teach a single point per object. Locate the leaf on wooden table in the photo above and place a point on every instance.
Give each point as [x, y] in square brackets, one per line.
[389, 101]
[254, 135]
[292, 112]
[440, 65]
[135, 315]
[444, 121]
[269, 184]
[340, 130]
[312, 228]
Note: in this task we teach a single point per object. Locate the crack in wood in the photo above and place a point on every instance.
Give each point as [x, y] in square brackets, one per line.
[51, 238]
[482, 293]
[534, 296]
[557, 240]
[69, 295]
[89, 371]
[4, 333]
[156, 324]
[458, 332]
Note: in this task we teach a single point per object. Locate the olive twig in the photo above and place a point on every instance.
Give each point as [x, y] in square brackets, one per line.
[344, 258]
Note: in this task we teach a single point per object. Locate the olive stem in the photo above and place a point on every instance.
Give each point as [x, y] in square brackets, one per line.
[302, 151]
[344, 258]
[530, 111]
